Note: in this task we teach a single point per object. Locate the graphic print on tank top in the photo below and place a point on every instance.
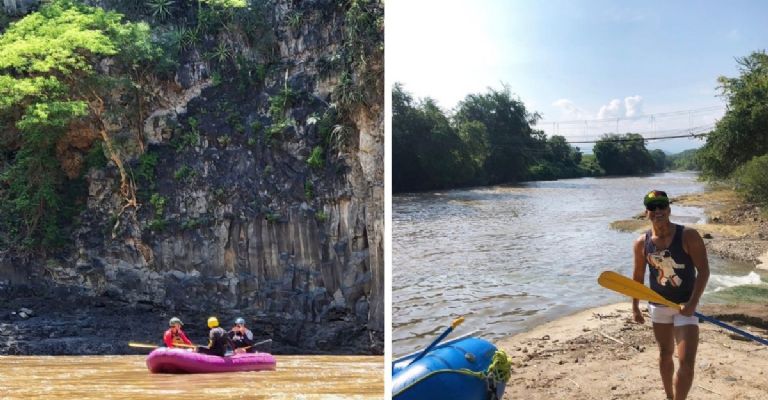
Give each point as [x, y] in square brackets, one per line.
[666, 266]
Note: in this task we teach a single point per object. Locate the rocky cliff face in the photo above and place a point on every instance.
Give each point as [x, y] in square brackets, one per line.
[238, 212]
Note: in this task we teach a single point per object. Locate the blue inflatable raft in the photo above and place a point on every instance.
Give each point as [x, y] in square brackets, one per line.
[466, 368]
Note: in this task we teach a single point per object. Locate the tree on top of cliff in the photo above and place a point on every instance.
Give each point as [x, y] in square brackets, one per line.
[52, 108]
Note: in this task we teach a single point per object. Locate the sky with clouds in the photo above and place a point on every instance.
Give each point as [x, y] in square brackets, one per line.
[589, 67]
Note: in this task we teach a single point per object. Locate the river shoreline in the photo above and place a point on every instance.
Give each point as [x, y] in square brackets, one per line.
[601, 353]
[56, 320]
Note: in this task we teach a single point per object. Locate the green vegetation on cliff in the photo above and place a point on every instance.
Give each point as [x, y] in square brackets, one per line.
[78, 83]
[52, 109]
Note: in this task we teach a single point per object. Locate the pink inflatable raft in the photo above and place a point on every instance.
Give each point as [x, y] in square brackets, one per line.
[179, 361]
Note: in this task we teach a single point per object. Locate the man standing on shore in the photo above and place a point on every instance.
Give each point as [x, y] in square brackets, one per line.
[679, 271]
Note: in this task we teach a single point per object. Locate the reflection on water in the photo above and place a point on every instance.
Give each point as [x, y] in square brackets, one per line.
[127, 377]
[512, 257]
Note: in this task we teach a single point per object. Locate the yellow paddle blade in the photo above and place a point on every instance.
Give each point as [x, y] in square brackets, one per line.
[627, 286]
[142, 345]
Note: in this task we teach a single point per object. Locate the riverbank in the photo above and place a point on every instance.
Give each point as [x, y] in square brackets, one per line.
[56, 320]
[601, 354]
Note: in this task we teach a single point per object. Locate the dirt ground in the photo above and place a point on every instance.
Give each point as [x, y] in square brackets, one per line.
[601, 354]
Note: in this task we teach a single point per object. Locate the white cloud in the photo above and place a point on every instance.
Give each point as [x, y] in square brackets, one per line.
[569, 109]
[612, 110]
[633, 105]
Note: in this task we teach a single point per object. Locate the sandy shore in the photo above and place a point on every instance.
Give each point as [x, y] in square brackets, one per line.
[601, 354]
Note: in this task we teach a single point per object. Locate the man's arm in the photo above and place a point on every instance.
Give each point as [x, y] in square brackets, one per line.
[248, 338]
[638, 274]
[184, 337]
[693, 244]
[168, 339]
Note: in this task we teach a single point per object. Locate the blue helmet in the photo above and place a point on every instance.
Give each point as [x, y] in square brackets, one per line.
[240, 321]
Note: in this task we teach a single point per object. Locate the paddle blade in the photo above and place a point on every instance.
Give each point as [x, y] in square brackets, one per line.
[142, 345]
[629, 287]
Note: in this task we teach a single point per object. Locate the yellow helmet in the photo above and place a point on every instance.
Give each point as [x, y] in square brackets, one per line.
[213, 322]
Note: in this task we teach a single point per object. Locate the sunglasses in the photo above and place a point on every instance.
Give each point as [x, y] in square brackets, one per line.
[654, 207]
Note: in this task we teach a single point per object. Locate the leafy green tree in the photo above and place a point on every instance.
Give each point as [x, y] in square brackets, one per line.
[659, 160]
[508, 126]
[742, 133]
[555, 158]
[474, 135]
[49, 91]
[752, 179]
[623, 154]
[590, 167]
[686, 160]
[428, 153]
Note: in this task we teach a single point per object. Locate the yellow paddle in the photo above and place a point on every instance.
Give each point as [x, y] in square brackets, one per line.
[152, 346]
[143, 345]
[632, 288]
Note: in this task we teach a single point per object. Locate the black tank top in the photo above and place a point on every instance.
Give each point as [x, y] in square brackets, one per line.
[672, 271]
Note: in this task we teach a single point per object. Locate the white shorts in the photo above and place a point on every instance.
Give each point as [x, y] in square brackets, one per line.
[668, 315]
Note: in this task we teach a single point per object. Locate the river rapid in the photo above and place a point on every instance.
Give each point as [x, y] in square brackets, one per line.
[127, 377]
[509, 258]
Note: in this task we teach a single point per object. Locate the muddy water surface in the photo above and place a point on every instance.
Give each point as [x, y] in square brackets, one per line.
[127, 377]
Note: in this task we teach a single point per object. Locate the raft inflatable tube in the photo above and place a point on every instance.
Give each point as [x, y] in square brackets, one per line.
[455, 370]
[180, 361]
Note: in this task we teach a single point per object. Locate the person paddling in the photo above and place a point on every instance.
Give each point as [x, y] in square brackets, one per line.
[677, 262]
[174, 335]
[218, 341]
[241, 337]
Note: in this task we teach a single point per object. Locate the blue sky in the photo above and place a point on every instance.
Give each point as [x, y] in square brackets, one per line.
[616, 65]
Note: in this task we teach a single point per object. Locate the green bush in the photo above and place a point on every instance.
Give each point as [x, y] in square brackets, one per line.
[309, 189]
[280, 102]
[752, 179]
[315, 159]
[183, 173]
[543, 172]
[160, 9]
[158, 202]
[147, 164]
[273, 216]
[95, 157]
[321, 216]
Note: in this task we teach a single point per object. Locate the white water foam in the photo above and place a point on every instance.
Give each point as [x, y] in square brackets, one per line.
[720, 282]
